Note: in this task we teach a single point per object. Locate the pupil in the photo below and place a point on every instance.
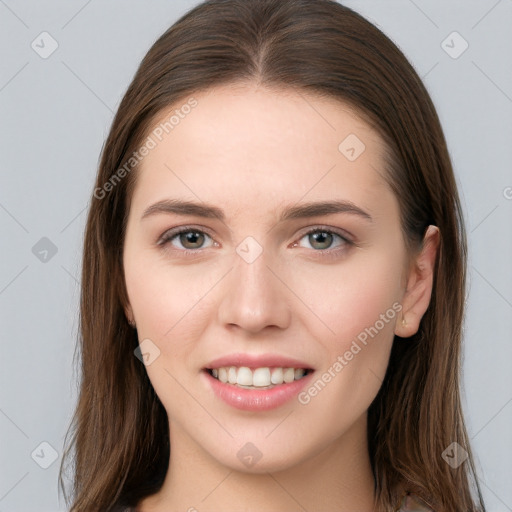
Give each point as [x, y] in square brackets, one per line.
[322, 238]
[192, 237]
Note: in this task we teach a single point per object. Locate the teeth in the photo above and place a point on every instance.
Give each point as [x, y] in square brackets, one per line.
[277, 376]
[223, 375]
[257, 378]
[232, 375]
[261, 377]
[299, 373]
[244, 376]
[289, 375]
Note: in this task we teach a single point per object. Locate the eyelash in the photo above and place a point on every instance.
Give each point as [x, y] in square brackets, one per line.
[169, 235]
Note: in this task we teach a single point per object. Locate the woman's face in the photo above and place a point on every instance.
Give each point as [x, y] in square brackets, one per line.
[291, 256]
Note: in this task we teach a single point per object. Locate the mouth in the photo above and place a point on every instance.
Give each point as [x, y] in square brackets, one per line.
[256, 382]
[257, 378]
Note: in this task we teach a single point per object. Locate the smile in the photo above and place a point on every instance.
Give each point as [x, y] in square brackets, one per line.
[257, 378]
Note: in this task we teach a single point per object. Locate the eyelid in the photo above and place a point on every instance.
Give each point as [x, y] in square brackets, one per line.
[330, 229]
[172, 232]
[169, 234]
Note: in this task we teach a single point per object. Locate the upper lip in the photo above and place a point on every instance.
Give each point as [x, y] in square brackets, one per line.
[257, 361]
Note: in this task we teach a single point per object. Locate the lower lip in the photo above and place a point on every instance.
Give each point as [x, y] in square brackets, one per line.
[257, 399]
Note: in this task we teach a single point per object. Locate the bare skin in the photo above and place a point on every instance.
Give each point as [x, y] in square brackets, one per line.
[253, 152]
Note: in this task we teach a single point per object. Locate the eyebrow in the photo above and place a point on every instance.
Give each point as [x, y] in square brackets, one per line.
[300, 211]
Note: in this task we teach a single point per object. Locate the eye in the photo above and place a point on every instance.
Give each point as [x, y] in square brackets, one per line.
[185, 239]
[322, 239]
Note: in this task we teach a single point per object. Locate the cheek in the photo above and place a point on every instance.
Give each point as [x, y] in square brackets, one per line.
[171, 305]
[352, 299]
[361, 306]
[171, 308]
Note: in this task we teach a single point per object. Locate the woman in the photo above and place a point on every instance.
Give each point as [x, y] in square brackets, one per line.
[275, 233]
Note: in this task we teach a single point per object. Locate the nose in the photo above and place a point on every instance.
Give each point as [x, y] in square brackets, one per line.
[253, 297]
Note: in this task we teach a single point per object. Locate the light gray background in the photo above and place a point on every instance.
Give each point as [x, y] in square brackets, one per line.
[55, 114]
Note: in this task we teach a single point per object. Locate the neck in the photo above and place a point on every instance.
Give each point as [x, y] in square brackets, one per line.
[339, 477]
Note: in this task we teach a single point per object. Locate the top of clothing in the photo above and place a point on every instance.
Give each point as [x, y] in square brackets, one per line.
[410, 503]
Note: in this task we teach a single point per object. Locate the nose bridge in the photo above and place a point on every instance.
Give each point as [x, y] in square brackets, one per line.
[253, 297]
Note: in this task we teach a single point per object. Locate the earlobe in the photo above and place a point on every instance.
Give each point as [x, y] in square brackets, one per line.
[129, 315]
[419, 285]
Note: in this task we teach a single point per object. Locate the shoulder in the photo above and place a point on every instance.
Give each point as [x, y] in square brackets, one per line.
[412, 503]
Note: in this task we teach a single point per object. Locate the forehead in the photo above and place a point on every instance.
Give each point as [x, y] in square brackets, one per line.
[246, 145]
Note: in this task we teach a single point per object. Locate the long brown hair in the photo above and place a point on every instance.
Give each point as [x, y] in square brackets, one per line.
[119, 443]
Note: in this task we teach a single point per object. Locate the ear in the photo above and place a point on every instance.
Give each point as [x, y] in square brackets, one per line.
[129, 315]
[420, 279]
